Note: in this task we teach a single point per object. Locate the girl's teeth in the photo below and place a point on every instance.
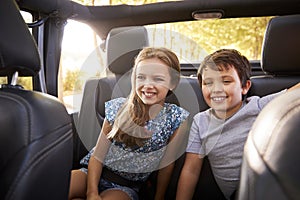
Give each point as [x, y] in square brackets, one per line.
[148, 94]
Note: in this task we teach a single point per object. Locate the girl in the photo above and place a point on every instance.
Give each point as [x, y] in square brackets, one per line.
[139, 135]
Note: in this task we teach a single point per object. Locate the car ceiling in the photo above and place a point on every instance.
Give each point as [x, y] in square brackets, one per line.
[103, 18]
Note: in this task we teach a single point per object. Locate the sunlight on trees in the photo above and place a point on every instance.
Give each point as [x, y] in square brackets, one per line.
[245, 34]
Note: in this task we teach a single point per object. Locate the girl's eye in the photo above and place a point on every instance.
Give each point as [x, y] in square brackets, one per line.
[158, 79]
[140, 77]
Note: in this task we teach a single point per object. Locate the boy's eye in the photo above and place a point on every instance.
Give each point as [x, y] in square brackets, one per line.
[207, 83]
[226, 82]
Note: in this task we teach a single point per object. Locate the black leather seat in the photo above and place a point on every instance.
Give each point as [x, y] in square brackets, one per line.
[270, 168]
[36, 130]
[280, 56]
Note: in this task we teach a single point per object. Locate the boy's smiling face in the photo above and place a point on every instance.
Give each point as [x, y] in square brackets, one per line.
[222, 91]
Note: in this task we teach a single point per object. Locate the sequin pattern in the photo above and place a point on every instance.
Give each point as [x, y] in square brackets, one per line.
[138, 163]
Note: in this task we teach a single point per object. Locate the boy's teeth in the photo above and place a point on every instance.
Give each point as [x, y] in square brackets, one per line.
[218, 98]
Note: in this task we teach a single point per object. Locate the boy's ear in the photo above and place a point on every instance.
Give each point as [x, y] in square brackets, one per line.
[246, 88]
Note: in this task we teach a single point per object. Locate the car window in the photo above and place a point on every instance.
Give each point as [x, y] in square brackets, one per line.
[205, 36]
[83, 58]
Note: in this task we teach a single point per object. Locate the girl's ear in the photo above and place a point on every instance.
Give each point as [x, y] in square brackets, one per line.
[246, 88]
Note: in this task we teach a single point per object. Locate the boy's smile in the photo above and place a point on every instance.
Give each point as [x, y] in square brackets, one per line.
[222, 91]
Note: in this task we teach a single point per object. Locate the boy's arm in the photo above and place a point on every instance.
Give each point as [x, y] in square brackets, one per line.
[189, 176]
[294, 87]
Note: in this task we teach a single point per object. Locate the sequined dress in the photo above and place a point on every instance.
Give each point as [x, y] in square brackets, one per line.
[137, 163]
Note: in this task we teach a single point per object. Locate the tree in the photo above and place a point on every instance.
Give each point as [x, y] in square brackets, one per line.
[72, 81]
[244, 34]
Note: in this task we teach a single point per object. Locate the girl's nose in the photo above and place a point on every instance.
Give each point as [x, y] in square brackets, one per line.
[148, 83]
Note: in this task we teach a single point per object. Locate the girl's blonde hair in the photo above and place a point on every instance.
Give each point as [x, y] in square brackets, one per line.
[132, 116]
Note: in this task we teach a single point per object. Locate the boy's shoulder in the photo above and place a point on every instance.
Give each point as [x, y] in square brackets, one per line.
[203, 114]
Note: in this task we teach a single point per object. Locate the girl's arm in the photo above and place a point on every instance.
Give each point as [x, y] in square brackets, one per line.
[163, 179]
[175, 148]
[95, 162]
[94, 173]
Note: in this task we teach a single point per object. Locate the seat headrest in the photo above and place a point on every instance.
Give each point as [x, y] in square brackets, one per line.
[280, 53]
[122, 46]
[18, 50]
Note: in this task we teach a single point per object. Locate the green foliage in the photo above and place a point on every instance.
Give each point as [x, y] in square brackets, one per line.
[244, 34]
[3, 80]
[72, 81]
[26, 82]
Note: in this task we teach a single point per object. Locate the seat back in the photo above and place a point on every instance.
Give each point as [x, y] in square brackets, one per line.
[35, 136]
[270, 168]
[280, 56]
[270, 165]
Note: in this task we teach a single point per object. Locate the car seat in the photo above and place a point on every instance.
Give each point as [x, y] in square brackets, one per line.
[280, 56]
[36, 130]
[270, 168]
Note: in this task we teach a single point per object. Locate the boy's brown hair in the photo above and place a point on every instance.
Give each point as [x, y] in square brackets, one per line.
[223, 59]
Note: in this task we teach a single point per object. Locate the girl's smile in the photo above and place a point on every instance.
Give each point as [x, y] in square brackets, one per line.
[152, 81]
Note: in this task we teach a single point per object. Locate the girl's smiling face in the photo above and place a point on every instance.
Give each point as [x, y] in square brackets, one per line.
[222, 91]
[153, 81]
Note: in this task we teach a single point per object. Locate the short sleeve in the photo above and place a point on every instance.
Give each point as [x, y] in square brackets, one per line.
[112, 107]
[194, 143]
[178, 116]
[197, 142]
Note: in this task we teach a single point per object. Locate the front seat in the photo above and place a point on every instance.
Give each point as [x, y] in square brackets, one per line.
[35, 128]
[270, 168]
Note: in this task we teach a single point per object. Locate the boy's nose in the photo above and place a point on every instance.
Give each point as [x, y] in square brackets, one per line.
[217, 87]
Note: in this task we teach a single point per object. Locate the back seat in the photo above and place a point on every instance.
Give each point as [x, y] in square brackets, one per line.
[187, 95]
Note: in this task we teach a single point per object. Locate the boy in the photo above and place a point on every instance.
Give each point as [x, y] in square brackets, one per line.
[221, 131]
